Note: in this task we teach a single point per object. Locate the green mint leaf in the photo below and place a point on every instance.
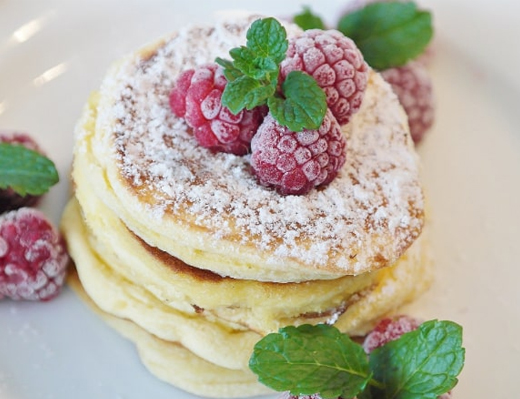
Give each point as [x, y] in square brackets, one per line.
[267, 38]
[308, 20]
[25, 171]
[246, 92]
[389, 34]
[304, 105]
[422, 364]
[256, 67]
[311, 359]
[230, 71]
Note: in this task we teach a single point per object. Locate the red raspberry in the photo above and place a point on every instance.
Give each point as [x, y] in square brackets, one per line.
[10, 200]
[33, 259]
[336, 64]
[389, 329]
[196, 97]
[294, 163]
[413, 87]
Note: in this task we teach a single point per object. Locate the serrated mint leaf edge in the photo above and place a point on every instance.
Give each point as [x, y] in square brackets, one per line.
[235, 93]
[230, 71]
[425, 328]
[267, 37]
[26, 171]
[304, 105]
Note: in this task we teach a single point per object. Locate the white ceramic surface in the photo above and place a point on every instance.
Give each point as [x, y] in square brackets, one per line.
[54, 52]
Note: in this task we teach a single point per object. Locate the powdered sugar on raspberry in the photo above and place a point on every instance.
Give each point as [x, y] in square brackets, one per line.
[367, 216]
[33, 259]
[337, 65]
[413, 86]
[389, 329]
[295, 163]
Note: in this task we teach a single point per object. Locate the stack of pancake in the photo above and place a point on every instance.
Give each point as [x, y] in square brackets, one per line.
[184, 253]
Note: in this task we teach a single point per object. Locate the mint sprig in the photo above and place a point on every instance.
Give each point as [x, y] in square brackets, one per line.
[25, 171]
[253, 80]
[389, 34]
[319, 359]
[421, 364]
[303, 103]
[308, 20]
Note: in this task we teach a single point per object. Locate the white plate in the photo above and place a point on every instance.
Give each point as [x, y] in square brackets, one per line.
[53, 53]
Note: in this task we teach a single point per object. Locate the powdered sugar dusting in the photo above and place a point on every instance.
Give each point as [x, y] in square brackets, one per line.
[367, 216]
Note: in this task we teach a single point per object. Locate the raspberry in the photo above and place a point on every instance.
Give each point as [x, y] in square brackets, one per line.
[33, 259]
[389, 329]
[9, 199]
[413, 87]
[196, 98]
[336, 64]
[294, 163]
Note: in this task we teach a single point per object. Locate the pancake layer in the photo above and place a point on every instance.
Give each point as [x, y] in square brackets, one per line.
[208, 210]
[213, 338]
[176, 365]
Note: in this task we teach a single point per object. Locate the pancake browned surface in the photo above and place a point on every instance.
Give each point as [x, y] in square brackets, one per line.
[208, 210]
[181, 248]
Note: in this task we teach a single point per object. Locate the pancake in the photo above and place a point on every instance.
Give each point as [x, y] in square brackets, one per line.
[183, 252]
[208, 210]
[214, 339]
[174, 364]
[260, 306]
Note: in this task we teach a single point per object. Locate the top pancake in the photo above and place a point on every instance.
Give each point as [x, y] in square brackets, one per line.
[208, 210]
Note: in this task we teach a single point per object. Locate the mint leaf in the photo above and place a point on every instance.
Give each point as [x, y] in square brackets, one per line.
[230, 71]
[304, 105]
[246, 92]
[256, 67]
[308, 20]
[25, 171]
[421, 364]
[253, 78]
[389, 34]
[268, 38]
[311, 359]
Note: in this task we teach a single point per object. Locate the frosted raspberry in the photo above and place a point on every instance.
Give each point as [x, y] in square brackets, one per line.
[294, 163]
[9, 200]
[196, 98]
[33, 259]
[413, 87]
[336, 64]
[389, 329]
